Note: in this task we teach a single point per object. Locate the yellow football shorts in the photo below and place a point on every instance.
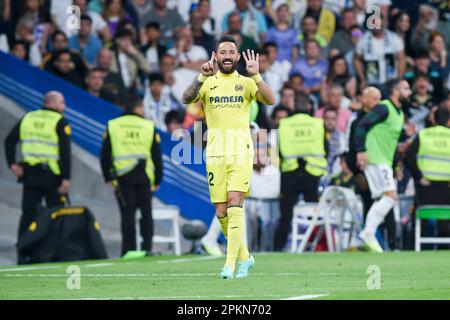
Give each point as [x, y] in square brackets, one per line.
[228, 173]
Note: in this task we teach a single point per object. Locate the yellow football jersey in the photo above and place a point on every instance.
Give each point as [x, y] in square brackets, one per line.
[226, 102]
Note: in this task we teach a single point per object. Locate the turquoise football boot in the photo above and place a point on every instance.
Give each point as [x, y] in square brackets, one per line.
[244, 267]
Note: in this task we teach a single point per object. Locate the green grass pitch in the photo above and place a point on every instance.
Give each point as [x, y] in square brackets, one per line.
[404, 275]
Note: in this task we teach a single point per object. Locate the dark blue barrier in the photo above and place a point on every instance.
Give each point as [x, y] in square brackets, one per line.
[183, 185]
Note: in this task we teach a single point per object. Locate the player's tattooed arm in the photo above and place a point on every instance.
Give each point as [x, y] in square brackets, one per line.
[191, 93]
[207, 69]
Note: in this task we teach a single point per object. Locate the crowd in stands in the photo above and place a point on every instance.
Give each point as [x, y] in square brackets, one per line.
[317, 55]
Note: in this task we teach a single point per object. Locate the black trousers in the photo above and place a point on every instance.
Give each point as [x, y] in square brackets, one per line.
[292, 185]
[136, 191]
[39, 184]
[437, 193]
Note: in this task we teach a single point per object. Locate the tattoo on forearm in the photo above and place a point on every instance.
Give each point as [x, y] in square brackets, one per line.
[192, 91]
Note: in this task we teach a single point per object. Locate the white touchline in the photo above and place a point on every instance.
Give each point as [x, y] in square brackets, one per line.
[29, 268]
[96, 265]
[307, 296]
[188, 259]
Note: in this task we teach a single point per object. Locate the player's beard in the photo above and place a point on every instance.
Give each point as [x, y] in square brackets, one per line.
[227, 69]
[404, 101]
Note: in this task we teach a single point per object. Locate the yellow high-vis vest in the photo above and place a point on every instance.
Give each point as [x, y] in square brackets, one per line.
[39, 138]
[302, 136]
[433, 158]
[131, 140]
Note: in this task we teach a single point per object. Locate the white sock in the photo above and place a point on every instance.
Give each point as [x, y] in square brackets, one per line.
[214, 231]
[376, 214]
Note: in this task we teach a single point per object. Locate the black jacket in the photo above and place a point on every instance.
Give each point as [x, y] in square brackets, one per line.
[62, 234]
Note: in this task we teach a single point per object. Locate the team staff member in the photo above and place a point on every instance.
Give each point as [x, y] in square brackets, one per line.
[45, 146]
[376, 140]
[131, 157]
[227, 98]
[428, 159]
[301, 140]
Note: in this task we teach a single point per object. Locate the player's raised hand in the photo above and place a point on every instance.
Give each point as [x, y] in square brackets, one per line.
[207, 68]
[252, 62]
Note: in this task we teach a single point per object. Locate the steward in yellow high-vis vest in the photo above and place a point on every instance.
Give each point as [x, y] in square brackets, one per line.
[301, 141]
[131, 160]
[44, 136]
[428, 160]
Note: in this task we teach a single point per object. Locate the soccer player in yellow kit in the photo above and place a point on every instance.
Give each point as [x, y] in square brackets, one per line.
[227, 96]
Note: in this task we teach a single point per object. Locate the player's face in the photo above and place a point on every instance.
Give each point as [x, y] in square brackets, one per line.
[227, 57]
[405, 91]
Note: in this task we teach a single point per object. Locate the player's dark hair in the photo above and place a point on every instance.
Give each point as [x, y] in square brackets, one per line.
[226, 38]
[441, 116]
[392, 84]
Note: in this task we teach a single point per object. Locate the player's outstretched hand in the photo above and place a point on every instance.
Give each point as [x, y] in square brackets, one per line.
[252, 62]
[207, 68]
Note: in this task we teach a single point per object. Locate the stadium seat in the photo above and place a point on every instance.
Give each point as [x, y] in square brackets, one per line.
[436, 212]
[173, 214]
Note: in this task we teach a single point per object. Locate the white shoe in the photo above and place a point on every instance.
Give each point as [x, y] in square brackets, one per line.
[212, 249]
[370, 242]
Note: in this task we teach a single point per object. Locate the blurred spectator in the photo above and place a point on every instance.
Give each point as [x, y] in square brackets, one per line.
[59, 16]
[65, 69]
[114, 13]
[254, 24]
[401, 25]
[338, 74]
[345, 178]
[360, 9]
[342, 40]
[335, 95]
[209, 23]
[154, 49]
[186, 53]
[312, 67]
[234, 29]
[176, 78]
[272, 76]
[426, 23]
[335, 140]
[287, 100]
[421, 102]
[280, 112]
[168, 19]
[24, 32]
[39, 20]
[60, 42]
[87, 44]
[142, 8]
[201, 38]
[174, 122]
[5, 15]
[379, 57]
[325, 19]
[356, 33]
[95, 86]
[20, 50]
[309, 31]
[303, 100]
[440, 60]
[262, 205]
[284, 35]
[422, 66]
[112, 81]
[282, 67]
[127, 60]
[158, 101]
